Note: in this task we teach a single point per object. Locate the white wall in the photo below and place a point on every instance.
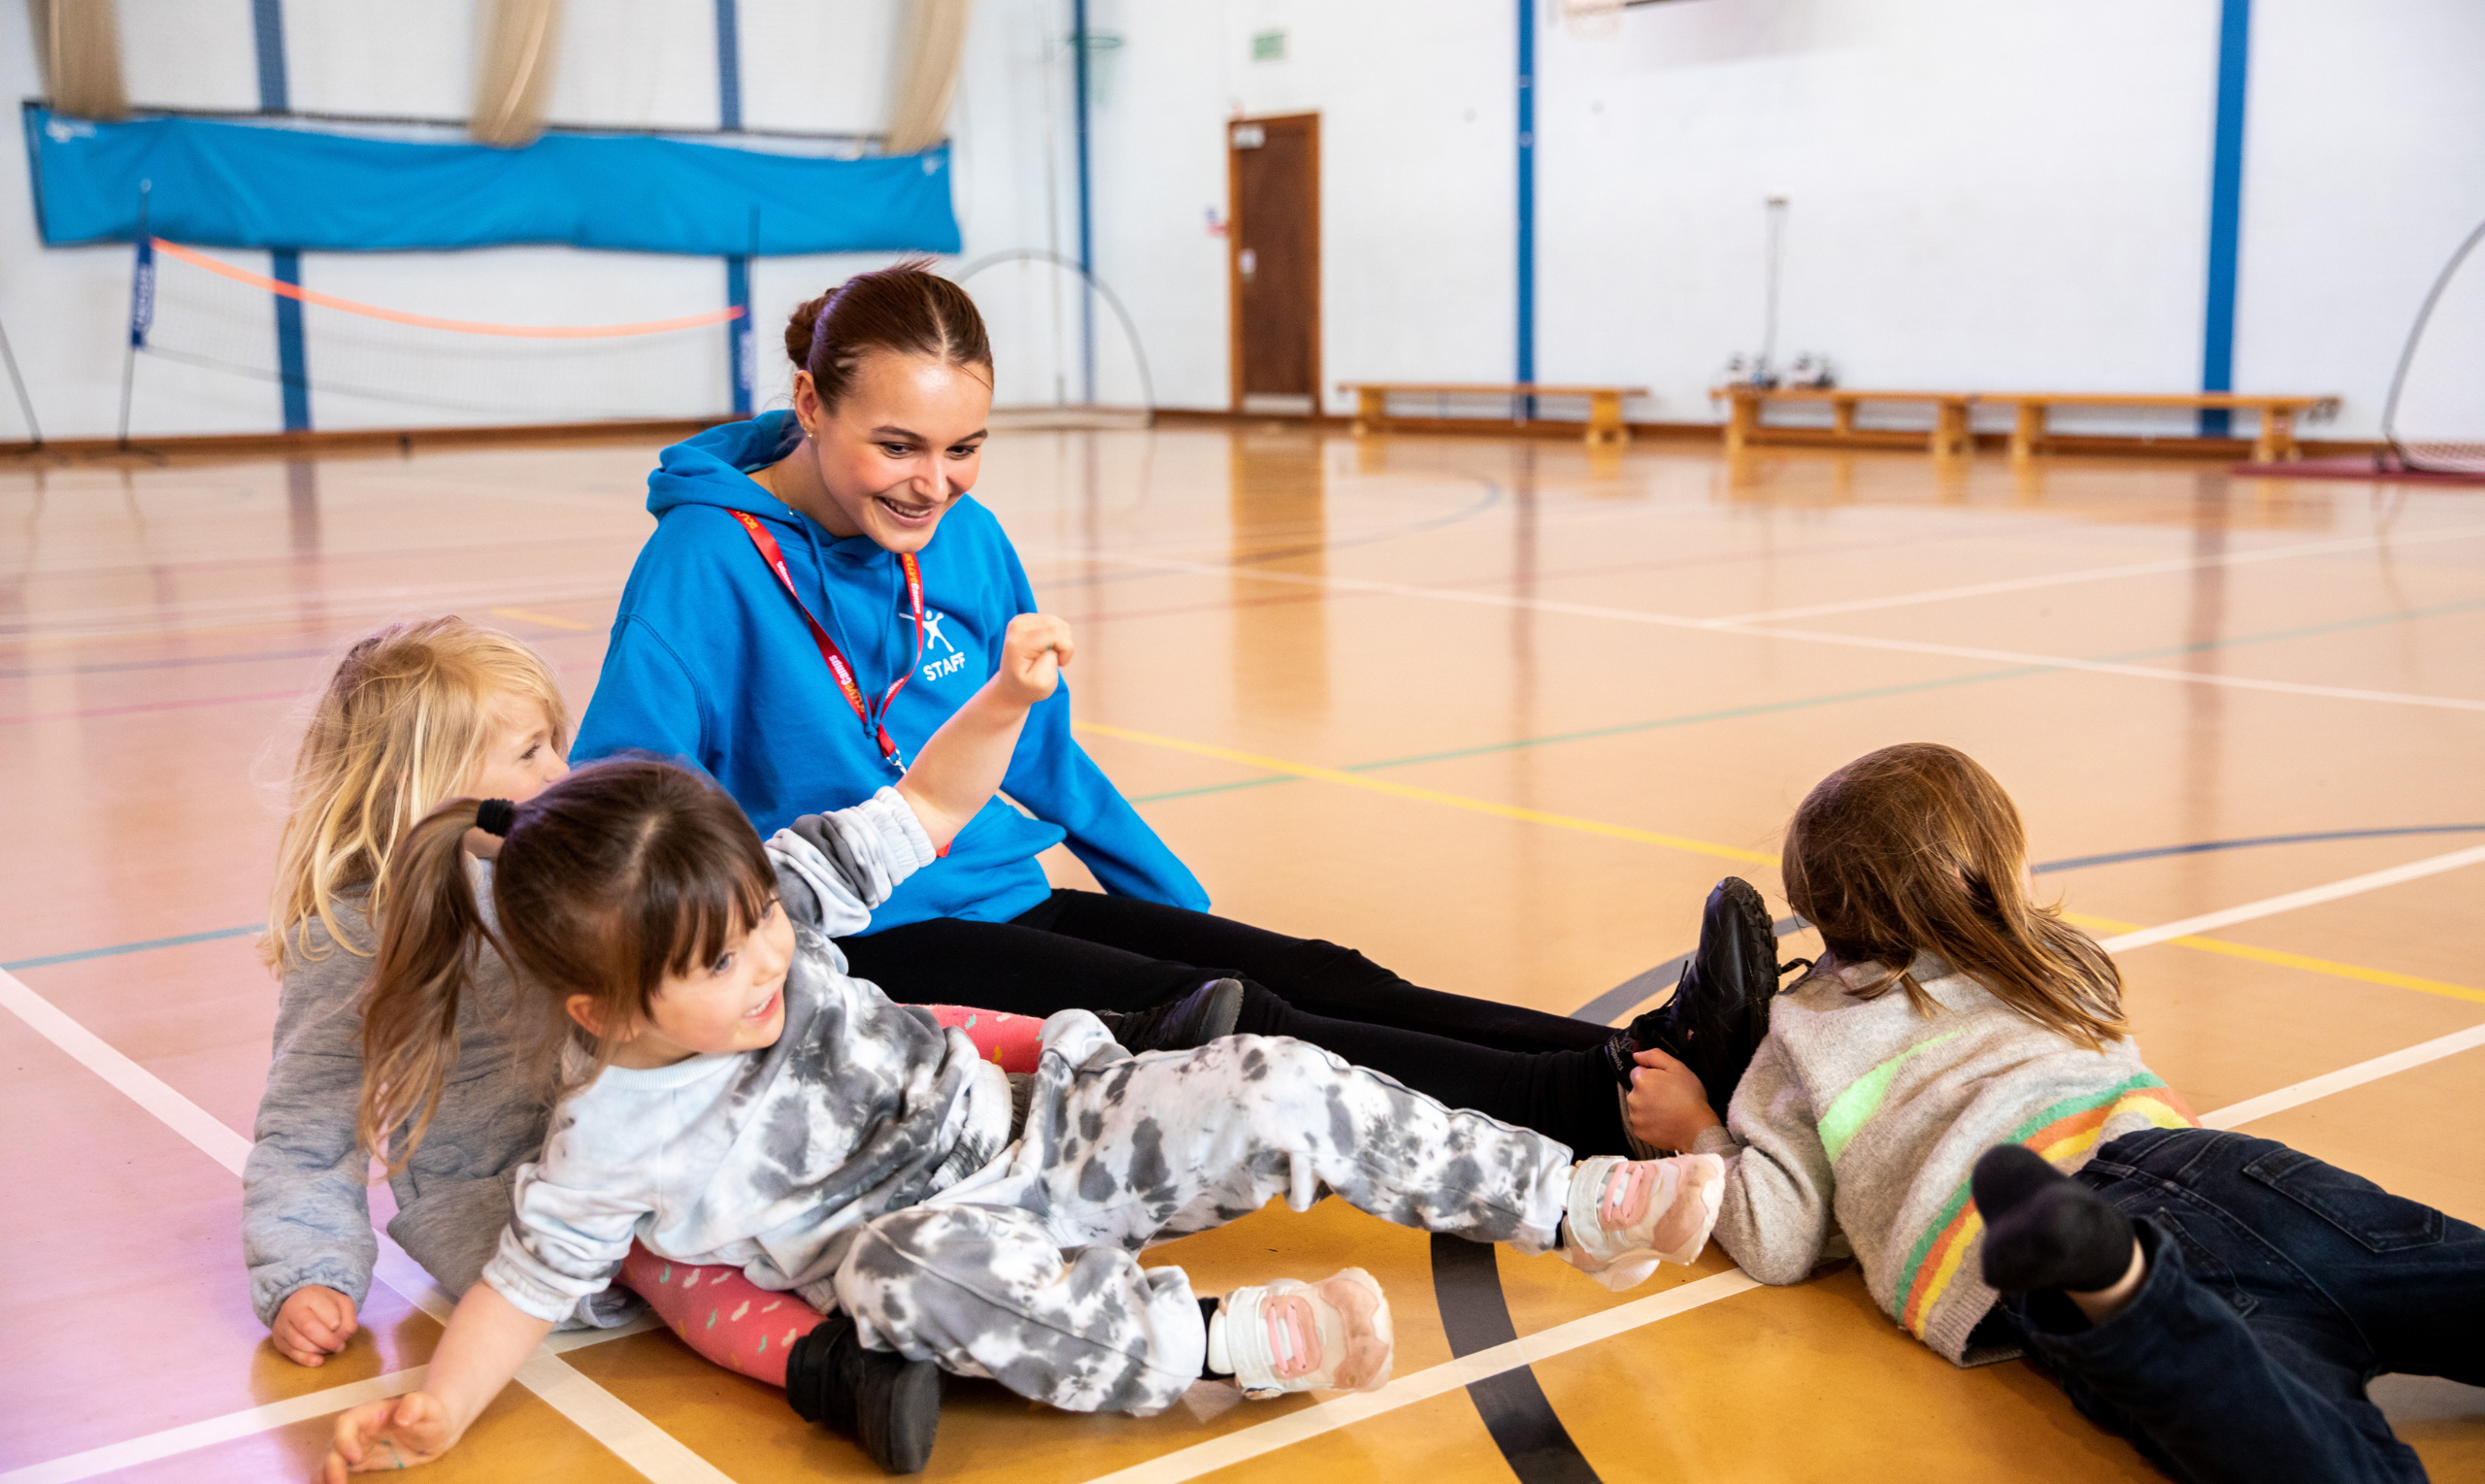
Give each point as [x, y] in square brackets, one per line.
[1988, 196]
[1983, 196]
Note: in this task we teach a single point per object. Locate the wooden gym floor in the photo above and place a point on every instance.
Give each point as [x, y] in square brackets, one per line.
[1496, 712]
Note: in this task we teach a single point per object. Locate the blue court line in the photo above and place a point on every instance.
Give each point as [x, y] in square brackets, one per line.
[117, 949]
[1834, 697]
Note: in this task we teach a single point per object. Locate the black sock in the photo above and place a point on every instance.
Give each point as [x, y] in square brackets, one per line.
[1208, 1316]
[2046, 1230]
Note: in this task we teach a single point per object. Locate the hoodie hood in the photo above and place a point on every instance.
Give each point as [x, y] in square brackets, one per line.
[709, 469]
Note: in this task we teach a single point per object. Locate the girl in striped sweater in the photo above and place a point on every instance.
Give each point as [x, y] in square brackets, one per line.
[1954, 1088]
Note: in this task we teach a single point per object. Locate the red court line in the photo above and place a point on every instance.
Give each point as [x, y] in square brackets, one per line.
[427, 322]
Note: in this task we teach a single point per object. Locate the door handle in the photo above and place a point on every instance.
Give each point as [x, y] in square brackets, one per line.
[1249, 262]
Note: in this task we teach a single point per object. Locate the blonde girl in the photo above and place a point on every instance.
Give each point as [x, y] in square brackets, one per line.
[1954, 1087]
[415, 714]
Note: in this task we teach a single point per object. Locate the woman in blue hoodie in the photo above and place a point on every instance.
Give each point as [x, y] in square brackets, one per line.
[821, 592]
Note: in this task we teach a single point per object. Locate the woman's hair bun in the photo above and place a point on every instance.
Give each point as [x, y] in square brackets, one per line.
[798, 330]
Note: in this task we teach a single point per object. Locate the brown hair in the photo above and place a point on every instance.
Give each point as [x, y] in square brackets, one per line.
[1916, 849]
[402, 725]
[617, 875]
[904, 307]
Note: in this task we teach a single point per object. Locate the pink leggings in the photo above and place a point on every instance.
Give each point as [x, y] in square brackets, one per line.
[745, 1328]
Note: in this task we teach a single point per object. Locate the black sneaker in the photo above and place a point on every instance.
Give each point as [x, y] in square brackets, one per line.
[1719, 1012]
[1207, 1013]
[880, 1399]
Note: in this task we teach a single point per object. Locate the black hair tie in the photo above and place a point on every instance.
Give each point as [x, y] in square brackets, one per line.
[494, 816]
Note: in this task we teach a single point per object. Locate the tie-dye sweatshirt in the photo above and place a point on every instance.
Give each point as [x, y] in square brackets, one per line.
[1868, 1115]
[769, 1160]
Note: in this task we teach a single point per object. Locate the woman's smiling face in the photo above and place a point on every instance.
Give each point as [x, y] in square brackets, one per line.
[897, 453]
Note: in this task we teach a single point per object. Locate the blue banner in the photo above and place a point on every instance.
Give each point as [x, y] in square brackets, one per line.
[221, 184]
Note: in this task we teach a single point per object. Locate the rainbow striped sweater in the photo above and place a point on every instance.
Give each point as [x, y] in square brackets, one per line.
[1865, 1115]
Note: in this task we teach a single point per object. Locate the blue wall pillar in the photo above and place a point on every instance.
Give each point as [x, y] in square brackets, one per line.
[1526, 197]
[285, 265]
[2226, 209]
[738, 344]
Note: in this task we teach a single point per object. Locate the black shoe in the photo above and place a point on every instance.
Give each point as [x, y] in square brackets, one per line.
[888, 1404]
[1719, 1012]
[1207, 1013]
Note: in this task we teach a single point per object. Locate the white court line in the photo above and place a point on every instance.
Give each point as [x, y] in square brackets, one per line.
[1806, 636]
[597, 1412]
[1276, 1433]
[2269, 906]
[2313, 1089]
[2102, 574]
[247, 1422]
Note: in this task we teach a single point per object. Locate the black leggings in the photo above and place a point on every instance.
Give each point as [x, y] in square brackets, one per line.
[1084, 950]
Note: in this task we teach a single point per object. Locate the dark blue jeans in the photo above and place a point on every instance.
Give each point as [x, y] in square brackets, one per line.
[2277, 1286]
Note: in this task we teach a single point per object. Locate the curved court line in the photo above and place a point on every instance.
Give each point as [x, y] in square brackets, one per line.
[1467, 1289]
[2156, 853]
[428, 322]
[1247, 1443]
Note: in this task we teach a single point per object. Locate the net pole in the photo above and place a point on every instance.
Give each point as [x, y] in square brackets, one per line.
[141, 307]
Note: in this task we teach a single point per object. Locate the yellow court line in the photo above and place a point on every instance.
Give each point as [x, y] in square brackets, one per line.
[529, 615]
[1433, 796]
[2285, 959]
[2102, 926]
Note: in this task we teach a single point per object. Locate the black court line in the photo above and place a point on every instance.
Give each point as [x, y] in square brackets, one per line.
[1647, 985]
[1468, 1287]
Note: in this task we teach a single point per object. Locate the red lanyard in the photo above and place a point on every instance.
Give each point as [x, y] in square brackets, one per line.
[874, 720]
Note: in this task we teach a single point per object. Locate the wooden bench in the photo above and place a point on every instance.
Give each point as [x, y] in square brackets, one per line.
[2274, 443]
[1605, 423]
[1744, 429]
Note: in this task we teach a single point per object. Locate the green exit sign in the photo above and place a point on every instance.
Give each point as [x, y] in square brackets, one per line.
[1268, 46]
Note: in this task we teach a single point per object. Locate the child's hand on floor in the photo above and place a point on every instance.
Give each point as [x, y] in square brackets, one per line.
[1032, 654]
[1668, 1107]
[383, 1436]
[312, 1324]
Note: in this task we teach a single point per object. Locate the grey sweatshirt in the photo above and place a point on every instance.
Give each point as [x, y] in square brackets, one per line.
[305, 1215]
[1864, 1113]
[769, 1160]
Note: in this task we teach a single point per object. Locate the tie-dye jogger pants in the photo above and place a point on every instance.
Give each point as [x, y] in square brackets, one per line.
[1025, 1271]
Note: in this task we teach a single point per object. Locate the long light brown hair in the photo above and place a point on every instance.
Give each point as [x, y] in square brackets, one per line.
[402, 725]
[622, 873]
[1917, 849]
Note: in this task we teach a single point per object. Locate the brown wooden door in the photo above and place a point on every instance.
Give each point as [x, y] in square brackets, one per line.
[1273, 179]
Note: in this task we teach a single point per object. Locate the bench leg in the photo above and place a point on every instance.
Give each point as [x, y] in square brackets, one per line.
[1950, 429]
[1841, 417]
[2277, 443]
[1742, 417]
[2027, 430]
[1372, 410]
[1605, 419]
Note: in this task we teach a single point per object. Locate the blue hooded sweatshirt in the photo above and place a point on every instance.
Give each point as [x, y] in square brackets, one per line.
[711, 663]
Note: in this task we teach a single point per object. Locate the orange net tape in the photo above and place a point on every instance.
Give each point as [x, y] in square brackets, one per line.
[426, 322]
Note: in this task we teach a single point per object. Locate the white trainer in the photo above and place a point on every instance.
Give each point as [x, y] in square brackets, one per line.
[1626, 1216]
[1290, 1336]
